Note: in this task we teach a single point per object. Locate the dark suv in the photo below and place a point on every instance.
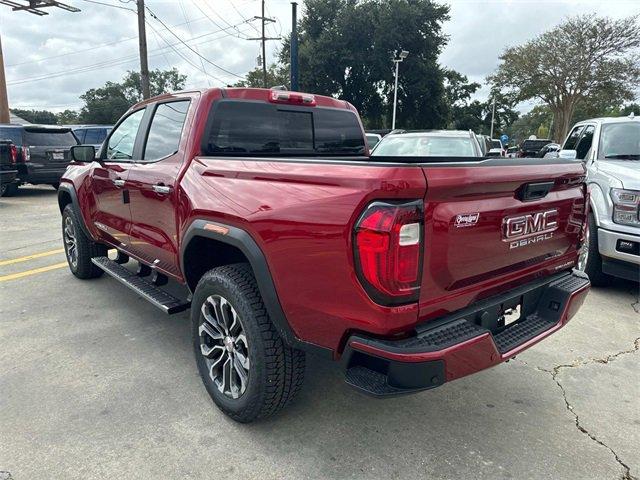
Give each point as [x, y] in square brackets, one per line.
[43, 151]
[91, 134]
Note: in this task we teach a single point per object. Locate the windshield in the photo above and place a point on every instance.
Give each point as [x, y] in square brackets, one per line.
[620, 140]
[60, 138]
[425, 146]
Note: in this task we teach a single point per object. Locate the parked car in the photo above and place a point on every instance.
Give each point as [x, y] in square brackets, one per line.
[610, 148]
[91, 134]
[429, 143]
[410, 271]
[43, 151]
[373, 139]
[496, 149]
[512, 152]
[8, 170]
[531, 147]
[550, 150]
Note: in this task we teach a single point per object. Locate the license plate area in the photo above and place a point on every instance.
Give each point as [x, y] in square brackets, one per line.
[57, 155]
[511, 316]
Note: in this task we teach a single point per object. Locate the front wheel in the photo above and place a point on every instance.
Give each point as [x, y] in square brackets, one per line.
[79, 248]
[246, 367]
[8, 189]
[590, 261]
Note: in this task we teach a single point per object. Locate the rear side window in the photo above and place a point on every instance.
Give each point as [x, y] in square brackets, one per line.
[40, 138]
[94, 136]
[259, 128]
[572, 139]
[13, 134]
[166, 130]
[584, 145]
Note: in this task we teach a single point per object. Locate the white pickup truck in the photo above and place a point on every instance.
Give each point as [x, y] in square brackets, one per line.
[610, 147]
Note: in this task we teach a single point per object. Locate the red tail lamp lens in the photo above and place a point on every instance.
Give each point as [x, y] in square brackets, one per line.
[388, 251]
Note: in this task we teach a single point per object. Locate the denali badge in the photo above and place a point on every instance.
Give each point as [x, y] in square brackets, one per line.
[523, 230]
[467, 219]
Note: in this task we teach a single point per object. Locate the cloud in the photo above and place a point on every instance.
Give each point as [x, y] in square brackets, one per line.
[44, 72]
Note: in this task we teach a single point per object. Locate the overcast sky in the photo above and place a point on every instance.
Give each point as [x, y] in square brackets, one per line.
[51, 60]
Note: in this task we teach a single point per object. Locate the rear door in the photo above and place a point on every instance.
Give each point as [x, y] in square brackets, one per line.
[497, 222]
[109, 177]
[152, 187]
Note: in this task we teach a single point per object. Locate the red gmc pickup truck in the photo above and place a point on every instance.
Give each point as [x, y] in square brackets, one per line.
[288, 238]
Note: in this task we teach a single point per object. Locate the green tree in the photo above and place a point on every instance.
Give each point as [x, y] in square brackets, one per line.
[585, 56]
[346, 48]
[529, 123]
[277, 75]
[43, 117]
[67, 117]
[106, 104]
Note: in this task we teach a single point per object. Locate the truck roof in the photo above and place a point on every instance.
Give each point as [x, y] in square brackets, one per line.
[244, 93]
[626, 118]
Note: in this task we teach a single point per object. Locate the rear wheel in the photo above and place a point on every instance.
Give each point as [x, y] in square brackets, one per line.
[245, 365]
[78, 248]
[590, 260]
[8, 189]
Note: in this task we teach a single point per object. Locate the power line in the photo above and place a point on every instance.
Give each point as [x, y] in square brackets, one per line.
[216, 23]
[119, 60]
[127, 39]
[224, 20]
[110, 5]
[184, 13]
[189, 47]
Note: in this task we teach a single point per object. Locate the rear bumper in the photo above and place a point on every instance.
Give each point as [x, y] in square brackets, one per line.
[464, 342]
[30, 173]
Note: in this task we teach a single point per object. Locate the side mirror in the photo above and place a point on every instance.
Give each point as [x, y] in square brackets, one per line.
[83, 153]
[568, 154]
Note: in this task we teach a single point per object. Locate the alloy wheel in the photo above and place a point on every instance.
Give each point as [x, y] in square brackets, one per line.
[583, 256]
[70, 241]
[224, 346]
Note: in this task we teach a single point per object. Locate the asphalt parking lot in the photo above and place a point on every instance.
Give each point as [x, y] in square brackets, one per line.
[96, 383]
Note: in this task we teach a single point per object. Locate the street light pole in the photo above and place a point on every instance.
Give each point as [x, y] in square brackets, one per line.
[399, 56]
[493, 116]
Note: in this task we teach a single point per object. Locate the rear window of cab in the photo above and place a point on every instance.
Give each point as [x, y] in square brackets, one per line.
[244, 127]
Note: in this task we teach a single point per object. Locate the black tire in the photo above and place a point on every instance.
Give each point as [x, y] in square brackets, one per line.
[276, 371]
[55, 185]
[86, 248]
[593, 267]
[8, 189]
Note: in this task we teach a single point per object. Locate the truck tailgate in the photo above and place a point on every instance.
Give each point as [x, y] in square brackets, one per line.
[497, 223]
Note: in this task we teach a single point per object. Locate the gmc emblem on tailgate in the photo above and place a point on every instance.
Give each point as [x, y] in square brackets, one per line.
[523, 230]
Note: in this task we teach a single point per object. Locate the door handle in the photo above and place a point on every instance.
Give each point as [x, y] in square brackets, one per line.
[162, 189]
[118, 182]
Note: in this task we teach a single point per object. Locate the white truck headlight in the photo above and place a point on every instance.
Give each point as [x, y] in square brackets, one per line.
[626, 206]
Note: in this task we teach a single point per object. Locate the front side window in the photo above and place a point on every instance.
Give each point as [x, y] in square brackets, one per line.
[123, 138]
[166, 130]
[584, 144]
[572, 139]
[620, 141]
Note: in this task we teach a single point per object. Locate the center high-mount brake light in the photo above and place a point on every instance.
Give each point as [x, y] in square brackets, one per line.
[388, 246]
[292, 98]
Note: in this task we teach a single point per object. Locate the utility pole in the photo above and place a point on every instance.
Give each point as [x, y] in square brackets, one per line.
[399, 56]
[142, 41]
[493, 116]
[263, 39]
[294, 48]
[4, 101]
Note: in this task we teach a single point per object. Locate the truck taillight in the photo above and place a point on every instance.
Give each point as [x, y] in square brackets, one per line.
[388, 245]
[295, 98]
[26, 154]
[13, 154]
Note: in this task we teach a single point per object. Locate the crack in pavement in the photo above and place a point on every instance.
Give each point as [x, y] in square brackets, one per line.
[554, 374]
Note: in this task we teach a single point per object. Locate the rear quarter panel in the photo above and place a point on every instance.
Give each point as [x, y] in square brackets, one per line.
[301, 214]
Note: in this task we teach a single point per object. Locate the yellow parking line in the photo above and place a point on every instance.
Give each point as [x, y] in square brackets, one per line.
[26, 273]
[31, 257]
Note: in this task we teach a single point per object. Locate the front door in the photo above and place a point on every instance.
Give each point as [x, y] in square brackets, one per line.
[153, 189]
[109, 181]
